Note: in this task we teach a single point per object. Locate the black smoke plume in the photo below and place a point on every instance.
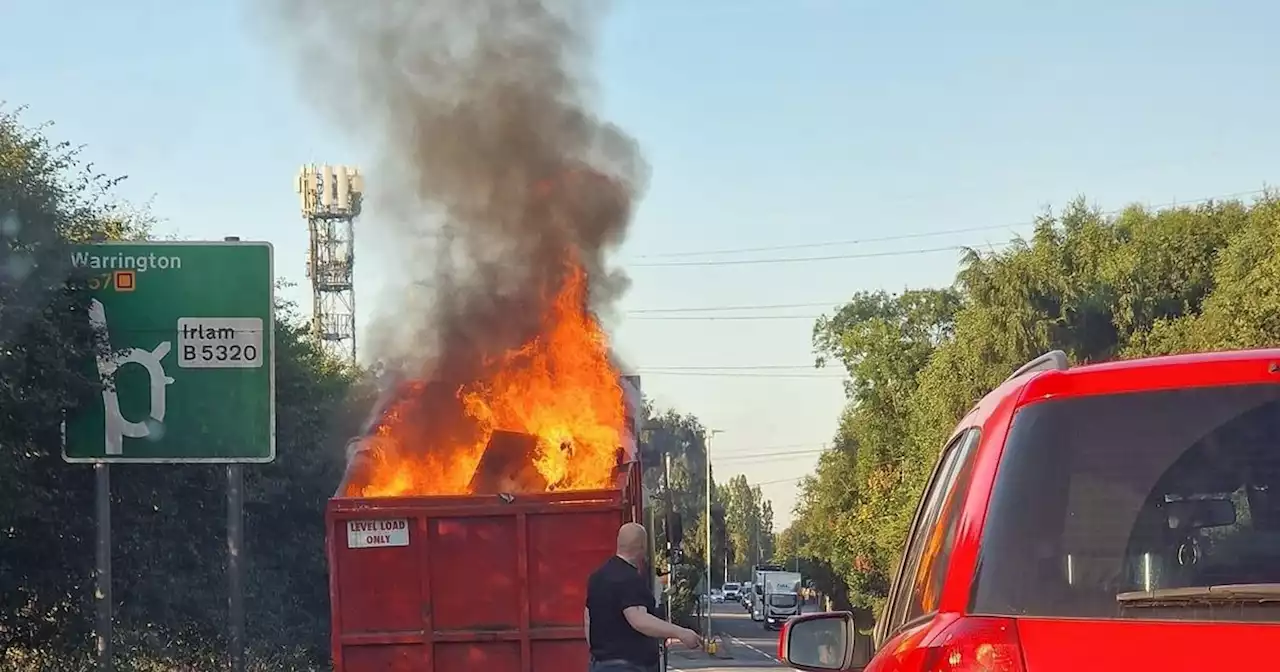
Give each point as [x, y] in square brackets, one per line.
[494, 179]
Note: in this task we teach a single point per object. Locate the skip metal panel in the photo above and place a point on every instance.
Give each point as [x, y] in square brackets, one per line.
[466, 582]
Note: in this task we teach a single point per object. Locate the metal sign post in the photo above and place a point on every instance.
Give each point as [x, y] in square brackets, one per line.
[235, 566]
[102, 566]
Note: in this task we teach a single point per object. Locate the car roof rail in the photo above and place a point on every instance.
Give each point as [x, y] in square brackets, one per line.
[1054, 360]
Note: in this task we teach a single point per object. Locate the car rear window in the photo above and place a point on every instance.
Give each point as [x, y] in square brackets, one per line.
[1098, 499]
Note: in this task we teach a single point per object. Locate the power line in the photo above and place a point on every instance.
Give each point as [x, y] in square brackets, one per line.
[750, 367]
[836, 243]
[769, 457]
[793, 479]
[775, 451]
[704, 309]
[737, 374]
[713, 318]
[792, 260]
[751, 371]
[905, 236]
[785, 446]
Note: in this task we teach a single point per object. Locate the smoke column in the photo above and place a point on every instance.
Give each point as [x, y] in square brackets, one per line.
[494, 178]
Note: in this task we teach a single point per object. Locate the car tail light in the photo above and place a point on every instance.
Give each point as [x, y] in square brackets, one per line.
[782, 640]
[976, 645]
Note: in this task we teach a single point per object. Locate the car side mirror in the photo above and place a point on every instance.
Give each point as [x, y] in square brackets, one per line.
[820, 642]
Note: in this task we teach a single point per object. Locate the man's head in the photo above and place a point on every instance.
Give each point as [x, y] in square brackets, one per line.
[633, 543]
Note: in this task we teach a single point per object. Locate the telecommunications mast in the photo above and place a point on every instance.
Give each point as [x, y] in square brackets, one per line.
[331, 197]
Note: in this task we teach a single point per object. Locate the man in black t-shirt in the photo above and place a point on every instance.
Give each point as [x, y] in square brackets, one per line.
[622, 631]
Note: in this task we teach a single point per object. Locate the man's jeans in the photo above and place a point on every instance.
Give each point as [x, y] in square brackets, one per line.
[620, 666]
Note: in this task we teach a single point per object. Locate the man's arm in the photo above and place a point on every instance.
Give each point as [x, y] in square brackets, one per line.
[635, 608]
[586, 625]
[649, 625]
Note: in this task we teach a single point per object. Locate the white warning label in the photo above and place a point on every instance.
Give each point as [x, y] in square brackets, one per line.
[377, 533]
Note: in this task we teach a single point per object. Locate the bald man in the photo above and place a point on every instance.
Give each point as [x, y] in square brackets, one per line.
[621, 629]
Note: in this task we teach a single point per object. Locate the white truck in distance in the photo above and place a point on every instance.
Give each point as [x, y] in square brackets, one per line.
[777, 597]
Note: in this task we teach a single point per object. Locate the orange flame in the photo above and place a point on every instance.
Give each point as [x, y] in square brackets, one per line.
[560, 387]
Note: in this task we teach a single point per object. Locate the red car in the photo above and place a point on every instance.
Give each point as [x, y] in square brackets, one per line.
[1121, 516]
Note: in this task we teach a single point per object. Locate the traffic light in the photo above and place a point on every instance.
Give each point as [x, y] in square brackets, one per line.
[675, 529]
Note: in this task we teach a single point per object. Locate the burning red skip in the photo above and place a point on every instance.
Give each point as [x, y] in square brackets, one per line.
[559, 390]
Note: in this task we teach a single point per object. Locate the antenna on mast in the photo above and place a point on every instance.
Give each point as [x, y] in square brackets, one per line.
[331, 198]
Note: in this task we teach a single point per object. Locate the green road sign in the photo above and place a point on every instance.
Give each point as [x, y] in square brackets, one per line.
[192, 333]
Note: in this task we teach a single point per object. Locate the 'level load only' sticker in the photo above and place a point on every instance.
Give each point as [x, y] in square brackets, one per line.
[377, 533]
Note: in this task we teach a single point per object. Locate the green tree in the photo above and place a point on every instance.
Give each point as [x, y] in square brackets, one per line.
[48, 198]
[883, 341]
[749, 526]
[168, 521]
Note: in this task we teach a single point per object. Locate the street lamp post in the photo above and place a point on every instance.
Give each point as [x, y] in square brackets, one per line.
[670, 508]
[707, 517]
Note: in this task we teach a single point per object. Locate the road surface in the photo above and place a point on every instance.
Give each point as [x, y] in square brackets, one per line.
[752, 647]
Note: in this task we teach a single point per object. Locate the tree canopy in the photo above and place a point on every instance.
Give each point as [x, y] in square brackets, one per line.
[1098, 287]
[748, 527]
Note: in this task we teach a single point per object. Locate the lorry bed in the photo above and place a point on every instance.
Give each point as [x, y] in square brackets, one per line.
[459, 583]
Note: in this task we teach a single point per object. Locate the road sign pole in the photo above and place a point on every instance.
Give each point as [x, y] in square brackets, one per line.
[102, 565]
[235, 555]
[235, 566]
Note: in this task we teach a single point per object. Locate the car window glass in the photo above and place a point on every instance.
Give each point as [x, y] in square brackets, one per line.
[1101, 500]
[907, 602]
[935, 552]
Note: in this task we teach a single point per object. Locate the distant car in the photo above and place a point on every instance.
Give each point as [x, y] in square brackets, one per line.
[1081, 516]
[717, 596]
[731, 592]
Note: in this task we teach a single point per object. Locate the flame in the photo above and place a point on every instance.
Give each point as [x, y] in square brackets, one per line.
[560, 387]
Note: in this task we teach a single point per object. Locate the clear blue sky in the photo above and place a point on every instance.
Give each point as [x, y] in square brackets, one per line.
[767, 123]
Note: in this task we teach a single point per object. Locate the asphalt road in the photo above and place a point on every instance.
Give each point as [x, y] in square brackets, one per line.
[752, 647]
